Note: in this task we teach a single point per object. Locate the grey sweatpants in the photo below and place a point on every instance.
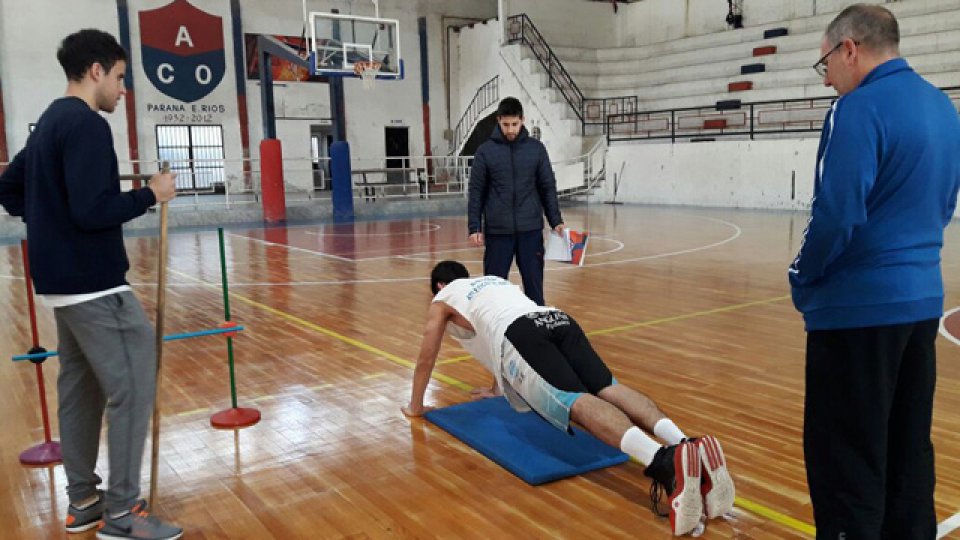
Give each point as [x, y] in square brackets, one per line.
[107, 360]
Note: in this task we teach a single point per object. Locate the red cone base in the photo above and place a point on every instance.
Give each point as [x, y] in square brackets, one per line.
[239, 417]
[42, 454]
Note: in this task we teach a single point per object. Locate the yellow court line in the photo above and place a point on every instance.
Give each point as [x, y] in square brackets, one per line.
[686, 316]
[350, 341]
[336, 335]
[775, 516]
[653, 322]
[454, 360]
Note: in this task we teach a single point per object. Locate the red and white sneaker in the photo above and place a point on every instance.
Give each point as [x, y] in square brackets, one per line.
[675, 470]
[717, 487]
[686, 505]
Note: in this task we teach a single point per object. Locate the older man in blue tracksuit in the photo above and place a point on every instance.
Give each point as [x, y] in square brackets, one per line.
[868, 282]
[511, 188]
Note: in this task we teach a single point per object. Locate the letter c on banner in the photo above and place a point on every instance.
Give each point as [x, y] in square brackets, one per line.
[165, 79]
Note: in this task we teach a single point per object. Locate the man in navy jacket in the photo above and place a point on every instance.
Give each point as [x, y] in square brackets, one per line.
[511, 188]
[868, 282]
[65, 185]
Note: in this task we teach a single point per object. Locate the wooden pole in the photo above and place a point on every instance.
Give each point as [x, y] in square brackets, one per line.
[161, 306]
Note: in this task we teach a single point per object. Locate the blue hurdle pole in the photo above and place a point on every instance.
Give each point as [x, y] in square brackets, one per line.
[171, 337]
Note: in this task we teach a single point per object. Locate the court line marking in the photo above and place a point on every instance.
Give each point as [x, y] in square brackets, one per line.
[415, 256]
[336, 335]
[673, 318]
[943, 328]
[653, 322]
[431, 227]
[454, 246]
[776, 517]
[948, 525]
[200, 283]
[454, 360]
[291, 248]
[734, 236]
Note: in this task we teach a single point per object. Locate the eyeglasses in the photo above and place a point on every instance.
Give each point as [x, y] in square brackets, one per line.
[821, 66]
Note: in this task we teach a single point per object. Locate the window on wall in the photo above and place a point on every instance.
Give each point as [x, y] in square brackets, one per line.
[195, 153]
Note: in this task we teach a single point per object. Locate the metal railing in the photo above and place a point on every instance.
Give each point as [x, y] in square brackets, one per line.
[591, 167]
[520, 29]
[621, 118]
[487, 95]
[590, 111]
[749, 120]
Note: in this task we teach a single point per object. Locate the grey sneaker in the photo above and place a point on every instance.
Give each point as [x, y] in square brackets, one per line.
[83, 520]
[137, 525]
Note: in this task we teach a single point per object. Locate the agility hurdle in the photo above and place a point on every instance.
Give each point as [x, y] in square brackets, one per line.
[48, 451]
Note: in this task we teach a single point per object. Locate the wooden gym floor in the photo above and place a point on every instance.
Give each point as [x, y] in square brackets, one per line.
[689, 306]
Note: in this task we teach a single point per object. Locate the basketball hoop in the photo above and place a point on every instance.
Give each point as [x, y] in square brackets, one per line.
[367, 70]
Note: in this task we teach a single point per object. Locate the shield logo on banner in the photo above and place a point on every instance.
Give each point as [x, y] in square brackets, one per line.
[182, 50]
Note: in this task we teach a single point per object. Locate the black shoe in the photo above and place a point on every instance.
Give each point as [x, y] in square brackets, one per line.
[660, 470]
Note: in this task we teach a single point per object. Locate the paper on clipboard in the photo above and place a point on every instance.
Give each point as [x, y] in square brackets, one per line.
[569, 246]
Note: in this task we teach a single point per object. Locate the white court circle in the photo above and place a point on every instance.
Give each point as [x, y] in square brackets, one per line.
[735, 233]
[431, 228]
[413, 256]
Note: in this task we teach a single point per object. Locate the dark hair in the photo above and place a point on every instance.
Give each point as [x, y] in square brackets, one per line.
[510, 106]
[82, 49]
[445, 272]
[873, 27]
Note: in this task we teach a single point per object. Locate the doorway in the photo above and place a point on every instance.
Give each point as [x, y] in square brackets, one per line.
[397, 144]
[321, 137]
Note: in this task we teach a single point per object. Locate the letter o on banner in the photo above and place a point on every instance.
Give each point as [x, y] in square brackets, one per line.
[203, 74]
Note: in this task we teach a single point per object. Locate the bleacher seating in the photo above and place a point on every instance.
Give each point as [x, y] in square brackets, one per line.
[742, 64]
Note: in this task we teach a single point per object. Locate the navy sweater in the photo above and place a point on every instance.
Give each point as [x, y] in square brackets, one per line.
[511, 186]
[65, 184]
[888, 169]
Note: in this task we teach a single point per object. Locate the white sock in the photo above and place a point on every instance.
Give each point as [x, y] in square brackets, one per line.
[639, 445]
[668, 431]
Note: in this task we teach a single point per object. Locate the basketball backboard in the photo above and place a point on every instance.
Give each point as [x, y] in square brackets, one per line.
[339, 41]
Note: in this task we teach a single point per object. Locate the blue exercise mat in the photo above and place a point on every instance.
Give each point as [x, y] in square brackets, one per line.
[524, 443]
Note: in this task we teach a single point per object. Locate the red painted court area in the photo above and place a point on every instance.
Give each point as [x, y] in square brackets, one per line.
[369, 240]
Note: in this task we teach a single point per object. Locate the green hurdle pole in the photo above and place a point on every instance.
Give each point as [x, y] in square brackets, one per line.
[226, 316]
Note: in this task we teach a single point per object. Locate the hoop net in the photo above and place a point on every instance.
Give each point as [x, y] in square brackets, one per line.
[367, 70]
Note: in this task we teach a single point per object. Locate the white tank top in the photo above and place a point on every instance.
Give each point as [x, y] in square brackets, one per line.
[490, 304]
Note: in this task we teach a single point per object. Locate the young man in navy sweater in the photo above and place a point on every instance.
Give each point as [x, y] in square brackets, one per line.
[868, 282]
[65, 185]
